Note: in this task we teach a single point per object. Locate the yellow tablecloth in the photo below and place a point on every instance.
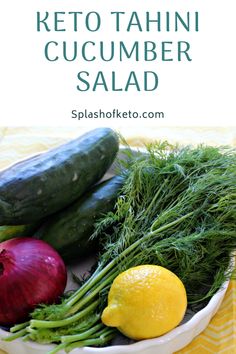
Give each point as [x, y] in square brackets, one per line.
[17, 143]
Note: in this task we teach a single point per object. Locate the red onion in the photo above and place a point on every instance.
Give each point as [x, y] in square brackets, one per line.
[31, 273]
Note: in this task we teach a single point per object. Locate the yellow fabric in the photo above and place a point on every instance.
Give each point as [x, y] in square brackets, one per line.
[220, 335]
[20, 142]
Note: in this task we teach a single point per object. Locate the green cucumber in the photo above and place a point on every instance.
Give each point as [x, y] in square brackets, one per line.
[8, 232]
[42, 185]
[69, 230]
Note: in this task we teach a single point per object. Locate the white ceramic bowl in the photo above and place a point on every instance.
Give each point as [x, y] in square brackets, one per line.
[166, 344]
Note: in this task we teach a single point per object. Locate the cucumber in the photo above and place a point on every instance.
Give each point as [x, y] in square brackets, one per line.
[39, 186]
[69, 230]
[8, 232]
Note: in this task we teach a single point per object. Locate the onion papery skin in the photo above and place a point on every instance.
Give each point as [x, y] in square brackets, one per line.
[31, 273]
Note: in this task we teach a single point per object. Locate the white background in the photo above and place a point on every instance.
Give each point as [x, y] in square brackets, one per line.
[37, 92]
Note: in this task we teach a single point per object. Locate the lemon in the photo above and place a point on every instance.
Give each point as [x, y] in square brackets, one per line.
[145, 302]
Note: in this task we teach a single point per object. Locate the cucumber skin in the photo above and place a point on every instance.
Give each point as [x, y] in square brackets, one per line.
[69, 230]
[35, 188]
[9, 232]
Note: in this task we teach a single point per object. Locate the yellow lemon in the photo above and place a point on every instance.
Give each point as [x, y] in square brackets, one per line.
[145, 302]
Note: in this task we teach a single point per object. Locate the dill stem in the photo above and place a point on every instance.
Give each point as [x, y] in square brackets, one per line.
[88, 285]
[65, 321]
[18, 327]
[82, 336]
[167, 226]
[57, 348]
[16, 335]
[81, 291]
[92, 283]
[101, 339]
[153, 233]
[93, 293]
[155, 198]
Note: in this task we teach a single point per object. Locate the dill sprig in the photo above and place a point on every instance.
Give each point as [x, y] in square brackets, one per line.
[177, 209]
